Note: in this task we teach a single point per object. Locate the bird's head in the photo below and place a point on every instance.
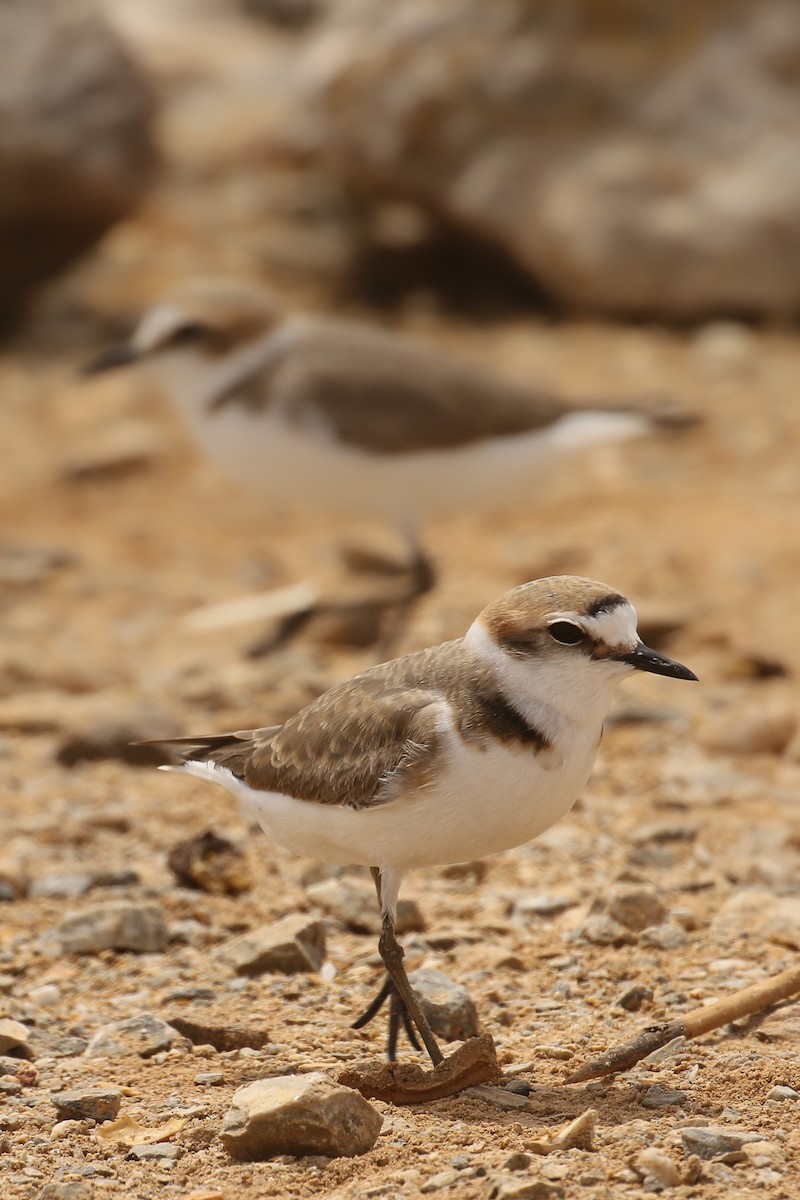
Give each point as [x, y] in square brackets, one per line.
[567, 641]
[200, 337]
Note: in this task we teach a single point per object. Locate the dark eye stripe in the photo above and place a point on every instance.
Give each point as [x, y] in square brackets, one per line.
[605, 604]
[188, 334]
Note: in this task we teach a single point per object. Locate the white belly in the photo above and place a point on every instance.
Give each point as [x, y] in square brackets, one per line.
[293, 468]
[485, 801]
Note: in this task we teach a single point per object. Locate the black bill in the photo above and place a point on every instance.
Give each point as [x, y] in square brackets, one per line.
[109, 360]
[645, 659]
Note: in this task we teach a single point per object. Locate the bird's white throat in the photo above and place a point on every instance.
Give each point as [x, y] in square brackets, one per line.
[557, 696]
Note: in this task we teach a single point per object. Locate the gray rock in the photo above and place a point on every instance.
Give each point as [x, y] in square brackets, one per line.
[209, 1078]
[601, 930]
[634, 997]
[76, 148]
[442, 1179]
[711, 1141]
[297, 943]
[47, 995]
[91, 1101]
[526, 1189]
[662, 1097]
[72, 1190]
[10, 1085]
[633, 906]
[66, 1129]
[63, 886]
[144, 1035]
[120, 925]
[14, 879]
[678, 1049]
[542, 905]
[211, 1029]
[447, 1005]
[660, 183]
[781, 1092]
[520, 1087]
[14, 1036]
[498, 1097]
[667, 936]
[10, 1065]
[210, 863]
[655, 1164]
[299, 1114]
[353, 902]
[161, 1152]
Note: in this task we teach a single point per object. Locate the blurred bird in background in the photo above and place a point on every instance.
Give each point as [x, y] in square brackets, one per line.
[324, 414]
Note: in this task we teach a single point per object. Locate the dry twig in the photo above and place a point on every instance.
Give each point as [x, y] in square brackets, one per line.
[749, 1000]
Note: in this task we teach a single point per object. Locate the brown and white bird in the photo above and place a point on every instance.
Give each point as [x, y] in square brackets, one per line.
[331, 415]
[443, 756]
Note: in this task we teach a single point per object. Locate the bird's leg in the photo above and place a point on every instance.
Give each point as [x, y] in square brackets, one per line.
[392, 954]
[404, 1006]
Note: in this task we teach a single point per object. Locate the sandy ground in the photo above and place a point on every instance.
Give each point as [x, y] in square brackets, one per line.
[113, 530]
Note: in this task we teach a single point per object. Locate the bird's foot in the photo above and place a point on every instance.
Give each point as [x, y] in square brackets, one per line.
[399, 1017]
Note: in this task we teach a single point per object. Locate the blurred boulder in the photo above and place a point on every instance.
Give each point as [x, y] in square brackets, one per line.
[76, 148]
[633, 158]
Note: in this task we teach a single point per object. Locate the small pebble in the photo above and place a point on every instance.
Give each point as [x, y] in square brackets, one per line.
[14, 1036]
[662, 1097]
[162, 1152]
[119, 925]
[144, 1035]
[520, 1087]
[63, 1129]
[93, 1102]
[658, 1165]
[518, 1161]
[712, 1141]
[294, 944]
[47, 995]
[634, 997]
[209, 1078]
[667, 936]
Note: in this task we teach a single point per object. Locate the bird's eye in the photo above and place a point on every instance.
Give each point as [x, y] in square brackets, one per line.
[566, 633]
[189, 334]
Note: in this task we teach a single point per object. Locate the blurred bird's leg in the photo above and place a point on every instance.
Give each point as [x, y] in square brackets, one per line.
[370, 605]
[420, 576]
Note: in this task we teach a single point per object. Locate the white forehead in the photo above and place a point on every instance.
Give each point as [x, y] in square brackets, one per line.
[156, 325]
[614, 627]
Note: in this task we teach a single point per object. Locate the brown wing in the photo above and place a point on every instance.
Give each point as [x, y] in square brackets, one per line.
[345, 748]
[387, 394]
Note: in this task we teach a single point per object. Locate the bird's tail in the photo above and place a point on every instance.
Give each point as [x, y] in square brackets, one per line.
[224, 750]
[659, 412]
